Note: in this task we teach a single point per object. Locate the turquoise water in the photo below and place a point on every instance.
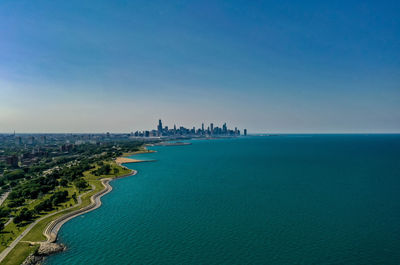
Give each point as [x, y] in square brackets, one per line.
[327, 199]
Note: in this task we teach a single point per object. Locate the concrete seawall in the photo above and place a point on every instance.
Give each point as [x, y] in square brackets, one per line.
[52, 229]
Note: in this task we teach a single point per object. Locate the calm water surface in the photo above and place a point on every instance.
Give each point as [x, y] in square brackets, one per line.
[331, 199]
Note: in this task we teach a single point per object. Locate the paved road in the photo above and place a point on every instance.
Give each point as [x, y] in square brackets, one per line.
[3, 197]
[5, 252]
[52, 229]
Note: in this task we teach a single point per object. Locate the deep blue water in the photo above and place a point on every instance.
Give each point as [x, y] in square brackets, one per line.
[295, 199]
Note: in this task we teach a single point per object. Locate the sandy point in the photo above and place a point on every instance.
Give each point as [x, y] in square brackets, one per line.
[124, 160]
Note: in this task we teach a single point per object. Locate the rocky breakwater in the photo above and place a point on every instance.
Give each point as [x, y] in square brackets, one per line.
[45, 249]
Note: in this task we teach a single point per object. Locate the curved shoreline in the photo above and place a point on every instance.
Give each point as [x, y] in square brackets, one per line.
[53, 228]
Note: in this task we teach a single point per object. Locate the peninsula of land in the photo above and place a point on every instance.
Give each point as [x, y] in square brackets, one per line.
[79, 179]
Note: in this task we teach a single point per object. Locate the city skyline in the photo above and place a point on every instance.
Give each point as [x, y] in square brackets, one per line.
[202, 131]
[160, 131]
[320, 67]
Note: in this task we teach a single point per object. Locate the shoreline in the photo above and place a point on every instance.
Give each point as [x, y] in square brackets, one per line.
[51, 231]
[125, 160]
[50, 246]
[145, 151]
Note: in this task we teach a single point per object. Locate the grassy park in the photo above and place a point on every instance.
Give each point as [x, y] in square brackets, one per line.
[23, 249]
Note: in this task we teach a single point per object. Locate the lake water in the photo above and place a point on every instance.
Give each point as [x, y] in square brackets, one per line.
[293, 199]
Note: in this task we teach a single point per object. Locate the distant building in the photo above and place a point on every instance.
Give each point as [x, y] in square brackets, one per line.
[66, 147]
[159, 127]
[174, 132]
[31, 140]
[18, 140]
[245, 132]
[12, 161]
[43, 139]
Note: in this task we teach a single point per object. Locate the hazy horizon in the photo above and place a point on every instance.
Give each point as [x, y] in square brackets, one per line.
[119, 66]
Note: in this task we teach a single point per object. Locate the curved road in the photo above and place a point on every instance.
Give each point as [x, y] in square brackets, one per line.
[52, 229]
[7, 250]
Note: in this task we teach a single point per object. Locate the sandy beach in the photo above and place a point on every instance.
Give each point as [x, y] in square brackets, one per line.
[125, 160]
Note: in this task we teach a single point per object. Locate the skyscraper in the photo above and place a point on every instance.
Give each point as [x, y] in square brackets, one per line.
[159, 127]
[212, 128]
[245, 132]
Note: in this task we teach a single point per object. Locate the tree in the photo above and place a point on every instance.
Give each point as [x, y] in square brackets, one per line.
[59, 197]
[45, 205]
[1, 225]
[13, 175]
[4, 212]
[16, 202]
[81, 184]
[64, 182]
[74, 197]
[24, 215]
[105, 169]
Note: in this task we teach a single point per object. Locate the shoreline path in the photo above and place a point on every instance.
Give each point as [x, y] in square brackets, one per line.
[52, 229]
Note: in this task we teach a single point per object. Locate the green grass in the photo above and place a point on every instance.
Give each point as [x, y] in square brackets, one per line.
[141, 151]
[11, 231]
[18, 255]
[22, 249]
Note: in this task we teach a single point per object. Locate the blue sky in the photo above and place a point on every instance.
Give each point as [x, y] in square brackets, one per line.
[269, 66]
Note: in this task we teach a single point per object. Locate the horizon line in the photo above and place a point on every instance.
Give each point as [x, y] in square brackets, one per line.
[248, 134]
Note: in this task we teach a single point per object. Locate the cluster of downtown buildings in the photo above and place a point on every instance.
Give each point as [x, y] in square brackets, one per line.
[28, 149]
[210, 131]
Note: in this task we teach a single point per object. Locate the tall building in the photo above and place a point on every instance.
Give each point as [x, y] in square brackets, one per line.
[31, 140]
[159, 128]
[212, 128]
[245, 132]
[224, 129]
[202, 128]
[43, 139]
[18, 140]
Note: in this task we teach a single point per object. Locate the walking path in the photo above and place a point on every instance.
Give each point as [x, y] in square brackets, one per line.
[3, 197]
[7, 250]
[9, 221]
[52, 229]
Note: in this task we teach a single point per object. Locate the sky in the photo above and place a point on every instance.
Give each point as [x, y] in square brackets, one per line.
[268, 66]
